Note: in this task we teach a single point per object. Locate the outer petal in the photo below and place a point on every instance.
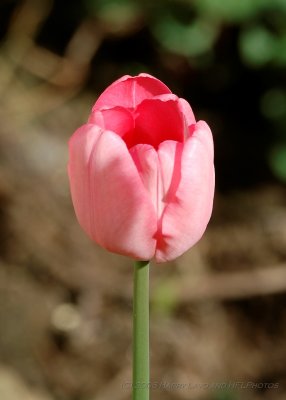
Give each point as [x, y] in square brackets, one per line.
[123, 219]
[129, 91]
[187, 111]
[159, 172]
[186, 216]
[146, 160]
[81, 145]
[170, 155]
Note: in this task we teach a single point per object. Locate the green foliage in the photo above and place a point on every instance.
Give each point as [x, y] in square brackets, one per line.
[225, 395]
[164, 299]
[117, 14]
[257, 46]
[231, 10]
[277, 160]
[191, 28]
[193, 39]
[273, 104]
[273, 107]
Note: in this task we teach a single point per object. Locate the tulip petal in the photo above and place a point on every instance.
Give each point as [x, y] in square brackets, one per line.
[187, 112]
[160, 171]
[117, 119]
[186, 216]
[159, 119]
[81, 145]
[202, 130]
[129, 91]
[146, 160]
[123, 219]
[170, 154]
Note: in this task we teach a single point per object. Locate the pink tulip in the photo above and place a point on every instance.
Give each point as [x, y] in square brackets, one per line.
[141, 171]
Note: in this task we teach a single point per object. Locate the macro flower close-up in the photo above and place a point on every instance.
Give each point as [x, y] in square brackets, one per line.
[141, 171]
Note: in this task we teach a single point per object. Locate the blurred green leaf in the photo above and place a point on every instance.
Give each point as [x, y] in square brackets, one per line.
[277, 161]
[279, 4]
[280, 55]
[257, 46]
[116, 13]
[230, 10]
[225, 395]
[273, 104]
[164, 298]
[193, 39]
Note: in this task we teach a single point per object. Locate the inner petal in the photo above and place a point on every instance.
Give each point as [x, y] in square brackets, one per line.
[153, 122]
[129, 91]
[157, 120]
[117, 119]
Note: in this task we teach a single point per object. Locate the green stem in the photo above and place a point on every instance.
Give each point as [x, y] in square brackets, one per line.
[141, 372]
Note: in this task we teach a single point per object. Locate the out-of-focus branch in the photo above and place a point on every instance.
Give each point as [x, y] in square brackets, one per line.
[232, 285]
[61, 77]
[20, 38]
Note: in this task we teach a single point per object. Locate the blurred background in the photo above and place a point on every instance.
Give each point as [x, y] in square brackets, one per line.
[218, 315]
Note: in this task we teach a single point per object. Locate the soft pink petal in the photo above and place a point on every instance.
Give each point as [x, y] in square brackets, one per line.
[187, 111]
[202, 130]
[123, 218]
[157, 120]
[81, 145]
[186, 216]
[129, 91]
[158, 171]
[170, 154]
[117, 119]
[146, 160]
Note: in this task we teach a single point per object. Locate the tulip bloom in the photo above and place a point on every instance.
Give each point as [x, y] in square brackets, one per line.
[141, 171]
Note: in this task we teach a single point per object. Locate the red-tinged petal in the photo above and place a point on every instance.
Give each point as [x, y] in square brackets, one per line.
[81, 145]
[187, 111]
[186, 216]
[117, 119]
[123, 217]
[157, 120]
[130, 91]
